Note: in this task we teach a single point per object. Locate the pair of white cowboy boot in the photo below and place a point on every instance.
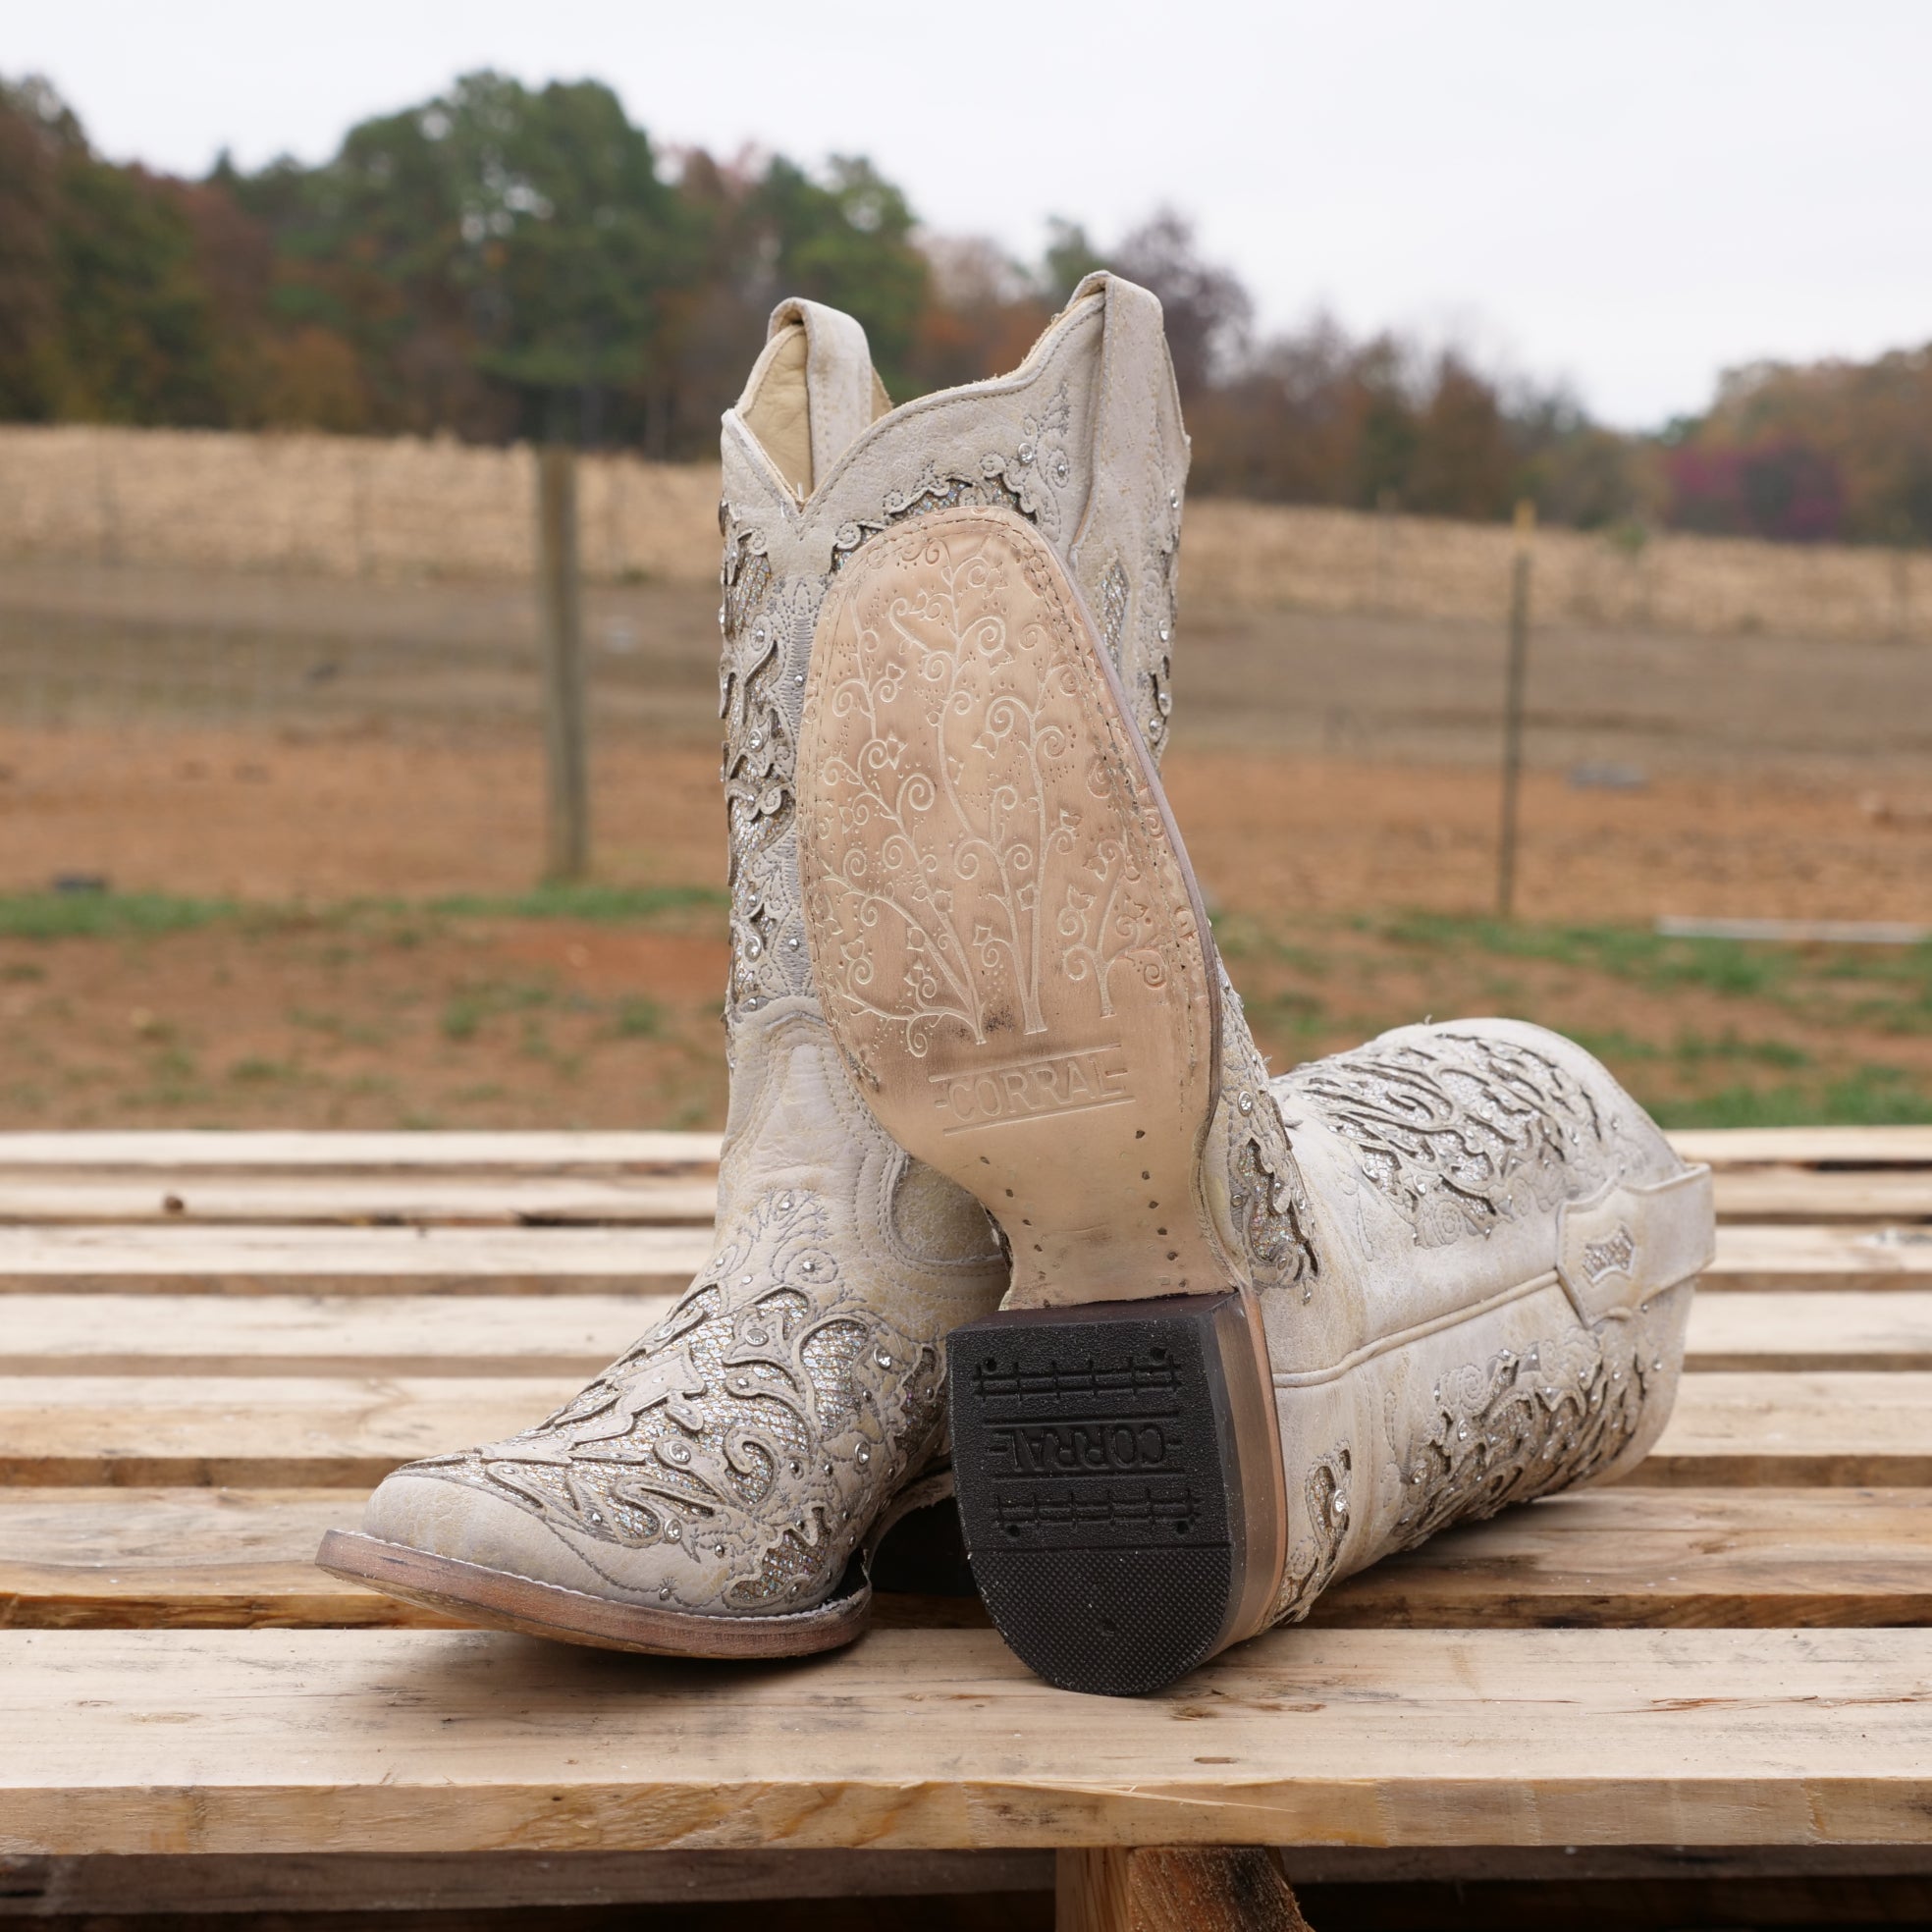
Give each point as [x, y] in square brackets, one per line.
[1000, 1142]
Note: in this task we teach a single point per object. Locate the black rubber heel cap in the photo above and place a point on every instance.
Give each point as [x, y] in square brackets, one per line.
[1098, 1489]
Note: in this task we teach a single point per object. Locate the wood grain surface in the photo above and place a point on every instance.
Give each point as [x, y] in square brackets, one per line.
[151, 1740]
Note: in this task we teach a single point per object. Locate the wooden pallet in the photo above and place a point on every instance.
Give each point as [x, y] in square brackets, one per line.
[211, 1345]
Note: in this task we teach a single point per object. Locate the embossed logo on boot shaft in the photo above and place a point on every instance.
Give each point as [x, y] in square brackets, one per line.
[1031, 1090]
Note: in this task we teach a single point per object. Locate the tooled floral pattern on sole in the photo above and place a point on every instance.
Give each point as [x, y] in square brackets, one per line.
[1001, 858]
[753, 1432]
[1461, 1131]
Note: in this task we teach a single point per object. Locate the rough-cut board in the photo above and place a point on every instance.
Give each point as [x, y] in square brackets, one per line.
[1174, 1888]
[676, 1194]
[1805, 1194]
[340, 1151]
[578, 1334]
[253, 1432]
[559, 1151]
[1755, 1258]
[325, 1335]
[1804, 1427]
[1673, 1558]
[303, 1430]
[1688, 1558]
[427, 1200]
[662, 1261]
[401, 1740]
[1796, 1147]
[252, 1260]
[472, 1884]
[1851, 1328]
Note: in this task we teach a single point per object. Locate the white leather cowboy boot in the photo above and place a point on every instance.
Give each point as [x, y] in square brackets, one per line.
[707, 1493]
[1258, 1335]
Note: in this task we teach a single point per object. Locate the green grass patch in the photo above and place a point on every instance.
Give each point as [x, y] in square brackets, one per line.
[135, 915]
[1868, 1096]
[613, 905]
[106, 915]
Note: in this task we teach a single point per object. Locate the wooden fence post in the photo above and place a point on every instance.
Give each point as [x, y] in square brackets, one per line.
[1519, 662]
[560, 589]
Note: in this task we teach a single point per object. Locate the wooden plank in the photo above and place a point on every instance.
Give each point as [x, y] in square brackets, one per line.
[407, 1740]
[1173, 1888]
[484, 1199]
[246, 1430]
[556, 1151]
[1850, 1147]
[80, 1558]
[1630, 1557]
[1800, 1429]
[252, 1260]
[1807, 1194]
[578, 1334]
[1804, 1427]
[1756, 1258]
[235, 1152]
[663, 1260]
[460, 1199]
[322, 1334]
[1849, 1328]
[484, 1886]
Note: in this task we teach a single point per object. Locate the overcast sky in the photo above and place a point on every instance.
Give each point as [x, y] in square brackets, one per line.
[1632, 197]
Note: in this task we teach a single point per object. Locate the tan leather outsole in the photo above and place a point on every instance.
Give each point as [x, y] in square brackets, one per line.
[1003, 925]
[475, 1593]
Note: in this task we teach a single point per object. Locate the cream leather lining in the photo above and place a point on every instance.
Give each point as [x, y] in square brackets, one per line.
[779, 412]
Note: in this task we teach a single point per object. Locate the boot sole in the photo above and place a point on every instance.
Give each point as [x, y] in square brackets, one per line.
[1012, 954]
[498, 1600]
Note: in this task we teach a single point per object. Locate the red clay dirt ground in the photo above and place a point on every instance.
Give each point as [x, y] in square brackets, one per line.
[1349, 895]
[308, 774]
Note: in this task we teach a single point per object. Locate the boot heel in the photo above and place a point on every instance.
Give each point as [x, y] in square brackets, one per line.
[1098, 1454]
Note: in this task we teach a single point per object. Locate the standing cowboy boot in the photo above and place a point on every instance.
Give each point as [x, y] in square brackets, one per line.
[705, 1495]
[1257, 1335]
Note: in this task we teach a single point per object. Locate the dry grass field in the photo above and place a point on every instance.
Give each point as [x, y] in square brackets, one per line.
[298, 822]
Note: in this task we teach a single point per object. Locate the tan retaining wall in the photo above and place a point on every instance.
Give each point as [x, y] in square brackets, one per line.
[353, 506]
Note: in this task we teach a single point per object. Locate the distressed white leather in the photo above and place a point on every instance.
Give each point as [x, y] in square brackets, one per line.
[1494, 1255]
[732, 1462]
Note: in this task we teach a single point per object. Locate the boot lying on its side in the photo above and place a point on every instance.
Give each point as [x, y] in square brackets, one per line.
[1259, 1333]
[711, 1493]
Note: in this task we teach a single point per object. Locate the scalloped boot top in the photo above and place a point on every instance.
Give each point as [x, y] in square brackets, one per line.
[718, 1489]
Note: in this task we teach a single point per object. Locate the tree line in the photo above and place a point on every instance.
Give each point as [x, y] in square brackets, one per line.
[506, 262]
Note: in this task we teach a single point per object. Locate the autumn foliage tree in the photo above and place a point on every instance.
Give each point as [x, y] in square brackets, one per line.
[503, 261]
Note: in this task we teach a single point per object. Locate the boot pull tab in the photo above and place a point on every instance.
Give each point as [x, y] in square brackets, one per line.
[1137, 413]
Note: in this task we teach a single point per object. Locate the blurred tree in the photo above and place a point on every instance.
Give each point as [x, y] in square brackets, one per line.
[504, 261]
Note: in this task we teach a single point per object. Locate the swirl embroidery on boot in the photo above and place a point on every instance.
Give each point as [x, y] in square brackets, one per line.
[1522, 1425]
[1311, 1564]
[1461, 1132]
[755, 1426]
[1028, 480]
[759, 763]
